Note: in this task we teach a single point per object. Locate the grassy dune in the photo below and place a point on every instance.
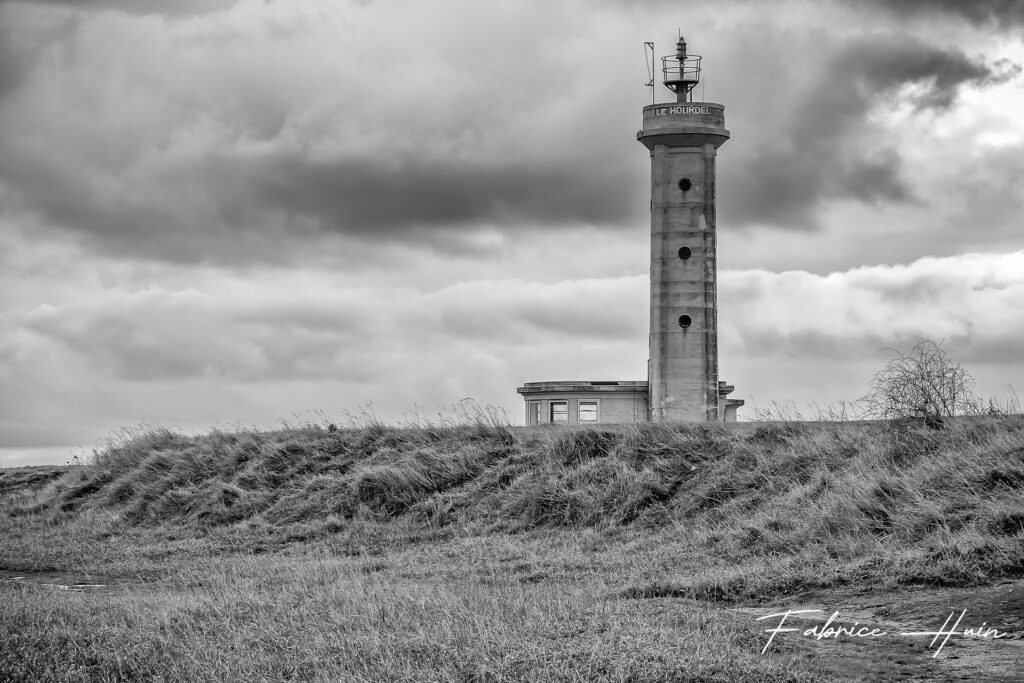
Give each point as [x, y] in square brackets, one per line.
[484, 552]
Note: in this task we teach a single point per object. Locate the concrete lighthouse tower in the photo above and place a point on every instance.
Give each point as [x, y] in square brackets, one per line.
[683, 138]
[682, 367]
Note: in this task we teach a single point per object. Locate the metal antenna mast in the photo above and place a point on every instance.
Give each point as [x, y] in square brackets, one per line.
[649, 61]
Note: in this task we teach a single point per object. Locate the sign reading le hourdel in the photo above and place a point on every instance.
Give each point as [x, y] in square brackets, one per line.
[681, 109]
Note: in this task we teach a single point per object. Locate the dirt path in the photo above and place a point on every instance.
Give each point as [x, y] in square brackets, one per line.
[977, 655]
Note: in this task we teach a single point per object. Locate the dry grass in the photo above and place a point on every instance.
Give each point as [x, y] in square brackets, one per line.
[327, 618]
[482, 552]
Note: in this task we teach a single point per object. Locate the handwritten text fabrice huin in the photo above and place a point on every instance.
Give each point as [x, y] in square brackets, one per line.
[830, 629]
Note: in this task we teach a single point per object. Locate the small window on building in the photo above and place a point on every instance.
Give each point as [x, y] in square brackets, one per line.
[685, 253]
[533, 413]
[684, 321]
[559, 411]
[588, 411]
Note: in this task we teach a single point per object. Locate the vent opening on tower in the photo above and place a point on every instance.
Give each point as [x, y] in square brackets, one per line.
[685, 253]
[684, 321]
[685, 184]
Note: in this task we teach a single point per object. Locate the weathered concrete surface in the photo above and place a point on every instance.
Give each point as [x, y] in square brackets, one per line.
[727, 407]
[683, 362]
[621, 402]
[693, 124]
[682, 372]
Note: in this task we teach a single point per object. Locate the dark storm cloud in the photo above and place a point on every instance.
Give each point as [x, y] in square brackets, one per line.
[11, 67]
[224, 207]
[67, 195]
[210, 148]
[369, 197]
[827, 152]
[999, 12]
[201, 153]
[20, 49]
[883, 64]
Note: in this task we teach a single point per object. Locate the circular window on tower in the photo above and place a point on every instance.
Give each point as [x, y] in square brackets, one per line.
[685, 253]
[684, 321]
[685, 184]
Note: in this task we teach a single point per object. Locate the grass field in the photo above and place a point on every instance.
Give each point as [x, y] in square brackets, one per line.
[483, 553]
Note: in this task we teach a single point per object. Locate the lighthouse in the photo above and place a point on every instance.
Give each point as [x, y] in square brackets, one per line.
[682, 384]
[683, 138]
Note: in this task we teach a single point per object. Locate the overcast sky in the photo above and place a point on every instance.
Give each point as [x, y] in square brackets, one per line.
[232, 213]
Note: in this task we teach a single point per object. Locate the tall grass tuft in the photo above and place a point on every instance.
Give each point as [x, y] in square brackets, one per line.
[896, 499]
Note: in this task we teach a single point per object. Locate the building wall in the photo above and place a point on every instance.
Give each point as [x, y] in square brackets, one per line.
[616, 408]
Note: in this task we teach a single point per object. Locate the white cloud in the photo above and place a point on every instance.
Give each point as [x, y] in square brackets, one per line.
[807, 337]
[254, 351]
[272, 208]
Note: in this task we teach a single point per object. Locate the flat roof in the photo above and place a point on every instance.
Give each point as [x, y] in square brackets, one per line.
[563, 386]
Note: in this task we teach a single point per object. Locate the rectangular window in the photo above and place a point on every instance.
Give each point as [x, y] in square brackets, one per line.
[588, 411]
[559, 411]
[533, 413]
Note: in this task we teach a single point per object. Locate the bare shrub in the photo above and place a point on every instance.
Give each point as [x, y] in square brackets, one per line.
[924, 384]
